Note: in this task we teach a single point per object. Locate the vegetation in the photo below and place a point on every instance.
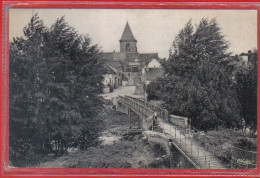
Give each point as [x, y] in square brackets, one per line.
[202, 83]
[246, 89]
[55, 79]
[125, 151]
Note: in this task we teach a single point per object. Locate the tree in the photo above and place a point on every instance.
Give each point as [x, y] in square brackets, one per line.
[55, 78]
[196, 83]
[246, 88]
[181, 53]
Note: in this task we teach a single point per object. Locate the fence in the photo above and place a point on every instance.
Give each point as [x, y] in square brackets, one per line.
[235, 157]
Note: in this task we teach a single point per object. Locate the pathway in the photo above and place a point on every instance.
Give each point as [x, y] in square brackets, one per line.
[196, 152]
[122, 91]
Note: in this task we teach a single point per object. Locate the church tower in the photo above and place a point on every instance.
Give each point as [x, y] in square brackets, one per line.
[128, 41]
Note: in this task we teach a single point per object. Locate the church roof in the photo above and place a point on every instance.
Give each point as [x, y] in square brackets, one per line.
[144, 56]
[127, 34]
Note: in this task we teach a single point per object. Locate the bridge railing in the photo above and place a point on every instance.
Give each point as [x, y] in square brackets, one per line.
[236, 157]
[136, 106]
[162, 113]
[147, 109]
[188, 145]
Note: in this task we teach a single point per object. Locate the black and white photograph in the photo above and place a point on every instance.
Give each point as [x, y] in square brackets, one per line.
[133, 88]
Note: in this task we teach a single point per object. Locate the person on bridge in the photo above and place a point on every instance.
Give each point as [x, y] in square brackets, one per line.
[155, 114]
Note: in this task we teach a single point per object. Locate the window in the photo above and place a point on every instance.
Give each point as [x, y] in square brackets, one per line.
[135, 69]
[127, 46]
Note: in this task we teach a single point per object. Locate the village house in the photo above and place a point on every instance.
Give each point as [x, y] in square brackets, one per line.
[151, 71]
[112, 79]
[243, 60]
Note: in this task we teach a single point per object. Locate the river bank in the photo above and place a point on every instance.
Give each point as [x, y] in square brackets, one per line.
[115, 149]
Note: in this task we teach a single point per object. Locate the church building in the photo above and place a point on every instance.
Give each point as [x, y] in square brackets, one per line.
[129, 62]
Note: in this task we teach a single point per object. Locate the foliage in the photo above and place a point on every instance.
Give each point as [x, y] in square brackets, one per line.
[198, 83]
[246, 144]
[55, 79]
[246, 88]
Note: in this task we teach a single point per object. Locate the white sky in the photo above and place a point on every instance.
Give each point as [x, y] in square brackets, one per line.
[153, 29]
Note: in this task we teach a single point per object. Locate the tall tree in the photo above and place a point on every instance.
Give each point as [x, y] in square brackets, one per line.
[196, 84]
[55, 79]
[181, 52]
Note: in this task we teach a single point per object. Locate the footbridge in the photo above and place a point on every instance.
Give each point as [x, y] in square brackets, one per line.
[171, 135]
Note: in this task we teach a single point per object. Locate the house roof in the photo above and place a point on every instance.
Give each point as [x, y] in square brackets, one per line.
[127, 34]
[115, 64]
[114, 56]
[154, 63]
[144, 56]
[108, 70]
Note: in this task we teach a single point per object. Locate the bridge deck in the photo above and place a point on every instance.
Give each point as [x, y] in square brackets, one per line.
[194, 151]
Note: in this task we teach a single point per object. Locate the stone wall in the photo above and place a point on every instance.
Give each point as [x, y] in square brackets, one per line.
[139, 89]
[158, 138]
[133, 80]
[178, 160]
[179, 121]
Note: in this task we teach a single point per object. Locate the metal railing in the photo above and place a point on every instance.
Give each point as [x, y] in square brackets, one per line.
[235, 157]
[196, 150]
[148, 109]
[162, 113]
[190, 147]
[145, 111]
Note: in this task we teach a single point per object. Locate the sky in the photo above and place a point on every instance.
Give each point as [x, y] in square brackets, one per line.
[154, 29]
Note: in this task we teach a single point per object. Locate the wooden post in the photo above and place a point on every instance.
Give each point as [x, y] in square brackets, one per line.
[221, 153]
[170, 158]
[190, 127]
[205, 161]
[185, 142]
[139, 122]
[191, 147]
[231, 166]
[129, 115]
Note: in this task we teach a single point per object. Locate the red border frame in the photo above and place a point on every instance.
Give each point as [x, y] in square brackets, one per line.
[116, 4]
